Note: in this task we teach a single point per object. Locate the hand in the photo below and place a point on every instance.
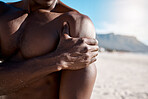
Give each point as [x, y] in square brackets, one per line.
[78, 53]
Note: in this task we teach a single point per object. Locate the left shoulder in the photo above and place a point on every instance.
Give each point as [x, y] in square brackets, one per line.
[86, 27]
[83, 26]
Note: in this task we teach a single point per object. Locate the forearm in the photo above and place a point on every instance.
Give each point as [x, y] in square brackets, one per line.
[14, 76]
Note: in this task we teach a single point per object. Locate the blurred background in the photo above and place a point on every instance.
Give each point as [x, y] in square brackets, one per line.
[122, 32]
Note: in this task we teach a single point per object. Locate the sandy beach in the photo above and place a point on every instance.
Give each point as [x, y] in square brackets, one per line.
[121, 76]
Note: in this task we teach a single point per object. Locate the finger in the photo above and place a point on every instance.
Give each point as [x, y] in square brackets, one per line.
[94, 48]
[91, 41]
[94, 54]
[65, 31]
[93, 60]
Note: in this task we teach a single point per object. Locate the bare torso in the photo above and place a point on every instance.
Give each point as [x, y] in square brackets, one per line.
[25, 36]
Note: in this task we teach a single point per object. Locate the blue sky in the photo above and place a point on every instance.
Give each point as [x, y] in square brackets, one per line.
[125, 17]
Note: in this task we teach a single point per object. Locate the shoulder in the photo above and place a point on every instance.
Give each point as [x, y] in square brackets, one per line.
[85, 27]
[82, 24]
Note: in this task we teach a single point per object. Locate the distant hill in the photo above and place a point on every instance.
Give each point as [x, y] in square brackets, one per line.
[121, 43]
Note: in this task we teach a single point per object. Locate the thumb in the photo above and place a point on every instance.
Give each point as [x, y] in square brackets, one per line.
[65, 30]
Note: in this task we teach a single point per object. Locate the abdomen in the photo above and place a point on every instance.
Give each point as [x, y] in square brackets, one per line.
[45, 88]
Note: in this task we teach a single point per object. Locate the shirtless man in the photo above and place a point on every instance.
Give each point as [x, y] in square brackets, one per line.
[48, 51]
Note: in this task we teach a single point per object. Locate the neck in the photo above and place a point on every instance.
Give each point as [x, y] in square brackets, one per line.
[31, 6]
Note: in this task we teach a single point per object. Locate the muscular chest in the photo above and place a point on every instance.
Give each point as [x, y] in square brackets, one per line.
[32, 35]
[40, 35]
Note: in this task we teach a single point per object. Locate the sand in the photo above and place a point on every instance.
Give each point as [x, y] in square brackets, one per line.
[121, 76]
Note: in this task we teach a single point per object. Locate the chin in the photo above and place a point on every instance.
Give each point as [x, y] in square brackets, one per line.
[45, 2]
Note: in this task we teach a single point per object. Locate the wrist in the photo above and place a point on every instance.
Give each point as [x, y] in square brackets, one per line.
[58, 59]
[63, 61]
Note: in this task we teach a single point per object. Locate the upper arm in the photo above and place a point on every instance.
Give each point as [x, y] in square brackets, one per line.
[78, 84]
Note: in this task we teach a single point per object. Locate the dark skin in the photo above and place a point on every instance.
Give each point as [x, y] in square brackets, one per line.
[48, 51]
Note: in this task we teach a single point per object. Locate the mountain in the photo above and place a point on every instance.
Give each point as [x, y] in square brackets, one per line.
[121, 43]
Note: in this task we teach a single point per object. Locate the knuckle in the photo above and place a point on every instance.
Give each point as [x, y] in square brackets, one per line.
[96, 48]
[86, 63]
[82, 40]
[85, 49]
[95, 59]
[97, 54]
[87, 56]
